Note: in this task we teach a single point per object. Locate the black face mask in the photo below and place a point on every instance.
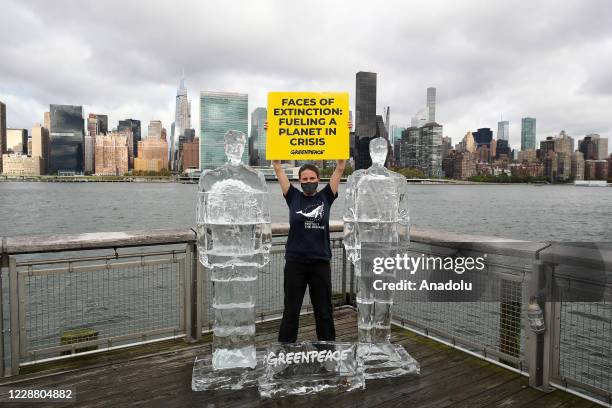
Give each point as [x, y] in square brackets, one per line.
[310, 188]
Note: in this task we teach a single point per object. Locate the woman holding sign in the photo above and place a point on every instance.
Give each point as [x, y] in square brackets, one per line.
[308, 251]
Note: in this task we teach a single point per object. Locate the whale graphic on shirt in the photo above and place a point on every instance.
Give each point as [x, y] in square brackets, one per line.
[315, 214]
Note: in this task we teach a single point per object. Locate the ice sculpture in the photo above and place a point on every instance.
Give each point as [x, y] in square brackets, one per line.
[234, 239]
[376, 214]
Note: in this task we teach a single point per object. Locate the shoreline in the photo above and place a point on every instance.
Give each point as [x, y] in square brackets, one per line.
[188, 180]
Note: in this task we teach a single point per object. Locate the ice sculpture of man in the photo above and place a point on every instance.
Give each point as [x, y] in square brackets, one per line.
[376, 212]
[234, 239]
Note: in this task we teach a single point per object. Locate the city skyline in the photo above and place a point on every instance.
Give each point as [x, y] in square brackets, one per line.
[516, 81]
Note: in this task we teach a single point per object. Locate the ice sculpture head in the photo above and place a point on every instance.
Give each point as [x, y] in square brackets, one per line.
[234, 146]
[378, 151]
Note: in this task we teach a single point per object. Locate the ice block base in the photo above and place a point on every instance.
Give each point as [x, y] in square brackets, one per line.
[386, 360]
[205, 377]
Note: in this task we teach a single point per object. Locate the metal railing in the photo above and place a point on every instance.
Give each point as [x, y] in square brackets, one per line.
[69, 294]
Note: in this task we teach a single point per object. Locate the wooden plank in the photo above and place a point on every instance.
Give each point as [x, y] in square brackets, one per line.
[561, 399]
[464, 388]
[524, 397]
[443, 382]
[491, 395]
[378, 391]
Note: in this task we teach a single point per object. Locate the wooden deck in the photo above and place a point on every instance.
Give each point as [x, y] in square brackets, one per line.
[160, 376]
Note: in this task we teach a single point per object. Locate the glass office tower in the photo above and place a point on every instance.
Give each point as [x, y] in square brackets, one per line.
[528, 134]
[257, 146]
[220, 112]
[66, 139]
[431, 104]
[503, 130]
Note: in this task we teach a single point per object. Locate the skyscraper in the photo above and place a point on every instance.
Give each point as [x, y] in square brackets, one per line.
[97, 125]
[421, 149]
[66, 139]
[220, 112]
[365, 117]
[396, 133]
[182, 121]
[564, 143]
[431, 104]
[112, 153]
[2, 132]
[47, 121]
[528, 134]
[191, 154]
[503, 130]
[257, 138]
[431, 150]
[483, 136]
[152, 155]
[365, 101]
[134, 126]
[155, 130]
[594, 147]
[40, 145]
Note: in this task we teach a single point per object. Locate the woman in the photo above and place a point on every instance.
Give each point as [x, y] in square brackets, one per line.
[308, 251]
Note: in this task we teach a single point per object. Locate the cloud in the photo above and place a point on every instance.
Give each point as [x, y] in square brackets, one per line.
[487, 59]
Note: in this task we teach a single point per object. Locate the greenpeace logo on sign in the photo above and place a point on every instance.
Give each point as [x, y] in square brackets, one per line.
[303, 357]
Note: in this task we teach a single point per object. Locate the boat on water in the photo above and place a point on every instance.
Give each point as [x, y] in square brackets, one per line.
[591, 183]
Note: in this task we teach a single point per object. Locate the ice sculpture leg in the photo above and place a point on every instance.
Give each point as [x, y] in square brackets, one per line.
[365, 304]
[235, 363]
[381, 358]
[234, 324]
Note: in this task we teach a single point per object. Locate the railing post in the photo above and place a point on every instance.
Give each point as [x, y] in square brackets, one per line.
[14, 310]
[539, 345]
[345, 294]
[193, 285]
[1, 322]
[197, 296]
[187, 291]
[3, 264]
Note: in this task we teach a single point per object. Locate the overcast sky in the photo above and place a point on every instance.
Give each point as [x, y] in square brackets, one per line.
[551, 60]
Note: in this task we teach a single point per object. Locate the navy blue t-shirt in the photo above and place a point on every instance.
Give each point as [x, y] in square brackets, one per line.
[308, 239]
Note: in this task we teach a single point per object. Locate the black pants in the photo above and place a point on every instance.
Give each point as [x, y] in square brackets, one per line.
[318, 278]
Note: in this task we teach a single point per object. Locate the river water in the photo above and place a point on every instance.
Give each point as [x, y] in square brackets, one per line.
[520, 211]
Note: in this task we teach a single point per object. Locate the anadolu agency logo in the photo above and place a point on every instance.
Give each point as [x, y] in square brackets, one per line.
[431, 266]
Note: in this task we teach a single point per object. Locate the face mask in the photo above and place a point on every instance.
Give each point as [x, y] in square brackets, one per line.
[310, 188]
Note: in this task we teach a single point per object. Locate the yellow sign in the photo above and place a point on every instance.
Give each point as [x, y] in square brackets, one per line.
[307, 126]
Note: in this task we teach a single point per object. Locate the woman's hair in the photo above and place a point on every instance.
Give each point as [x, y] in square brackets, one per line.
[308, 166]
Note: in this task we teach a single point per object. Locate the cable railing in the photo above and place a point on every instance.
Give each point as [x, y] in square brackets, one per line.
[65, 295]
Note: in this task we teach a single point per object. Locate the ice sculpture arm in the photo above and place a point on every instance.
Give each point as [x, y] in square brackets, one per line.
[201, 209]
[403, 216]
[283, 180]
[334, 181]
[349, 218]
